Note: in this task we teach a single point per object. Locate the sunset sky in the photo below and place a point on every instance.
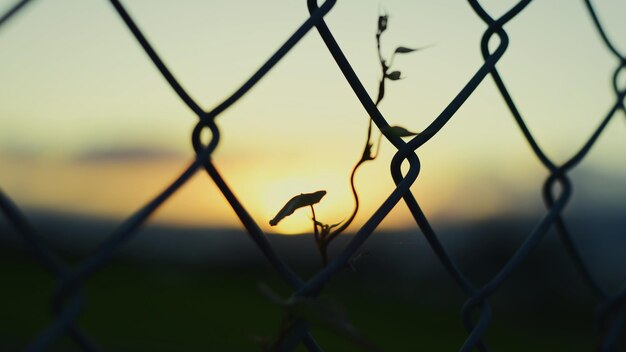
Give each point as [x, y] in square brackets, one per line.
[89, 126]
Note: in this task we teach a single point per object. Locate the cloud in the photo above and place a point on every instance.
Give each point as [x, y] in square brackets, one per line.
[22, 153]
[128, 154]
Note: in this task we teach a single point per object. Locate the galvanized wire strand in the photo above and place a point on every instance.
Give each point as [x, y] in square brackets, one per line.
[253, 229]
[317, 281]
[68, 300]
[611, 329]
[314, 18]
[602, 32]
[559, 173]
[259, 238]
[313, 286]
[165, 72]
[366, 230]
[46, 258]
[610, 317]
[545, 160]
[468, 89]
[516, 260]
[99, 259]
[476, 332]
[49, 261]
[103, 254]
[96, 261]
[207, 117]
[609, 340]
[64, 320]
[555, 209]
[444, 257]
[69, 280]
[568, 242]
[612, 305]
[510, 103]
[620, 93]
[352, 78]
[14, 10]
[582, 152]
[550, 165]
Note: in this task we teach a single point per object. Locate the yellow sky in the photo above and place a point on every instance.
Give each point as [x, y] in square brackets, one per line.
[74, 83]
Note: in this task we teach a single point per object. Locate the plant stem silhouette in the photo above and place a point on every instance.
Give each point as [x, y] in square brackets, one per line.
[324, 233]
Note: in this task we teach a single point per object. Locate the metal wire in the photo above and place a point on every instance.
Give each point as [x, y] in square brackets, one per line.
[557, 190]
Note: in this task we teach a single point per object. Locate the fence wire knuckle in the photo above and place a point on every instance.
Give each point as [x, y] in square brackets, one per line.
[476, 314]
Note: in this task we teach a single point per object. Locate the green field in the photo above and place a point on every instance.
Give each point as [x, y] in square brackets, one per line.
[157, 307]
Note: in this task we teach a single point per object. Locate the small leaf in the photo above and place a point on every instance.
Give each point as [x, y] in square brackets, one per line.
[398, 131]
[394, 76]
[382, 23]
[404, 50]
[325, 227]
[367, 153]
[299, 201]
[335, 225]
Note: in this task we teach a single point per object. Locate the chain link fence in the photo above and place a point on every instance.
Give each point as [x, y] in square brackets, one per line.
[67, 300]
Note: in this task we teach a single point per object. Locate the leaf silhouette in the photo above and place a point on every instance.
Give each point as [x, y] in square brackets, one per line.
[404, 50]
[382, 23]
[398, 131]
[394, 76]
[299, 201]
[367, 152]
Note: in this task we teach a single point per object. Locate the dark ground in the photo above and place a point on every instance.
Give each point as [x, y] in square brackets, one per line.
[174, 289]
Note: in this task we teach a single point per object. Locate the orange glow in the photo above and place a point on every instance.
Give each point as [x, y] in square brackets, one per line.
[117, 189]
[301, 128]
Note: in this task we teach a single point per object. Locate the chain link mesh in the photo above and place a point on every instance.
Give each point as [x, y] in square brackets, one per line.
[557, 190]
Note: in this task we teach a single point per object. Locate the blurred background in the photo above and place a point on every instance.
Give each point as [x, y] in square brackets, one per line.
[90, 131]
